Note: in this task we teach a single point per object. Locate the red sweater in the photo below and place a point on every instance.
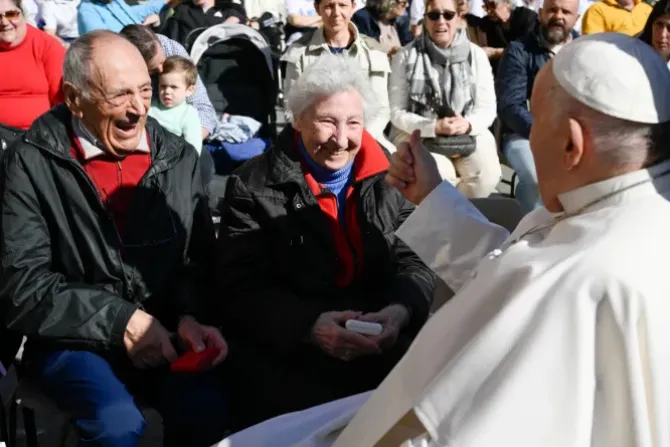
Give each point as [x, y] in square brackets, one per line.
[30, 78]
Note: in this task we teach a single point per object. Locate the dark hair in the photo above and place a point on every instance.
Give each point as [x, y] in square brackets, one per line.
[660, 9]
[143, 38]
[181, 64]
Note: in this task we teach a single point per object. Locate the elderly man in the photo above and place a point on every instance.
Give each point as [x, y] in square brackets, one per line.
[557, 337]
[307, 244]
[106, 236]
[516, 75]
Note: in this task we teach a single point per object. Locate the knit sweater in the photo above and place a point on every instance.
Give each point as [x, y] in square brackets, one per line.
[30, 79]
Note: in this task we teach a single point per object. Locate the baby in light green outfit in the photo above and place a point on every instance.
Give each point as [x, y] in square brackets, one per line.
[176, 82]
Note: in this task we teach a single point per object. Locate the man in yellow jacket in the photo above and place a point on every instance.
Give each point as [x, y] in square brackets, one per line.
[621, 16]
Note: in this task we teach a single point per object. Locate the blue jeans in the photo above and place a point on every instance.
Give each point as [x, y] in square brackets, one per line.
[518, 155]
[96, 393]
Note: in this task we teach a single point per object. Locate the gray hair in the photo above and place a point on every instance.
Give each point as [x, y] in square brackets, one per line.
[328, 75]
[617, 141]
[77, 66]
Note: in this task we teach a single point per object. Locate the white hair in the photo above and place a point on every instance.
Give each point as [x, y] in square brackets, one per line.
[328, 75]
[617, 141]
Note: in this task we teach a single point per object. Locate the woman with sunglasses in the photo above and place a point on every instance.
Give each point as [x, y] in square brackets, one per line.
[386, 22]
[31, 75]
[441, 84]
[338, 35]
[657, 30]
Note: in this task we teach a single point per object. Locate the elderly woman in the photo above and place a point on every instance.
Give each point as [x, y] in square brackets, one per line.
[307, 243]
[657, 30]
[386, 22]
[31, 74]
[113, 15]
[442, 85]
[505, 22]
[339, 36]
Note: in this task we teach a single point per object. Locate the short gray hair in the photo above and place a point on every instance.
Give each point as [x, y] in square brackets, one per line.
[328, 75]
[619, 142]
[79, 57]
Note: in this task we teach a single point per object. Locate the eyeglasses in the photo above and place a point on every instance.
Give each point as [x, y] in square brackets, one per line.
[401, 3]
[435, 15]
[10, 15]
[489, 5]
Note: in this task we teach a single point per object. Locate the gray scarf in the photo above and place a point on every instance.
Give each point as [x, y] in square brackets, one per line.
[451, 85]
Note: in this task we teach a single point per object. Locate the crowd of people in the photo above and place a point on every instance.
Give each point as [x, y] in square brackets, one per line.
[112, 266]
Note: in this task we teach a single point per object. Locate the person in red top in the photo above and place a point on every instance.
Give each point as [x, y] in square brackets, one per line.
[32, 69]
[308, 242]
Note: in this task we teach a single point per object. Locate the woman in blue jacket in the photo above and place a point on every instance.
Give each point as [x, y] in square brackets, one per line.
[113, 15]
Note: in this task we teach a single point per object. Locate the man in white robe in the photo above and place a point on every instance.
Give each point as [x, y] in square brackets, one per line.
[560, 337]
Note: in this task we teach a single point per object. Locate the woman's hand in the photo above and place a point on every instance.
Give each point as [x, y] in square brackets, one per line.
[456, 125]
[331, 336]
[392, 318]
[153, 20]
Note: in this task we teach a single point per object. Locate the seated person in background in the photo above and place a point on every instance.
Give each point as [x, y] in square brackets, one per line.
[339, 35]
[195, 14]
[470, 23]
[154, 48]
[60, 19]
[504, 23]
[620, 16]
[301, 17]
[442, 68]
[308, 242]
[657, 30]
[32, 68]
[175, 84]
[521, 62]
[107, 243]
[113, 15]
[386, 22]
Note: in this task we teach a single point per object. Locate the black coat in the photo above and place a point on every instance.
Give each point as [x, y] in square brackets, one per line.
[188, 17]
[276, 257]
[522, 22]
[66, 280]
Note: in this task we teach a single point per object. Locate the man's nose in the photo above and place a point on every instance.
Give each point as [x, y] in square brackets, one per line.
[137, 105]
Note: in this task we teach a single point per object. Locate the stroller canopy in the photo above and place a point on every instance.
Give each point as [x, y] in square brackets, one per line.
[234, 62]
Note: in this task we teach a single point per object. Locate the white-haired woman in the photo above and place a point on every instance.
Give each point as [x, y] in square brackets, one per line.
[308, 242]
[338, 35]
[442, 85]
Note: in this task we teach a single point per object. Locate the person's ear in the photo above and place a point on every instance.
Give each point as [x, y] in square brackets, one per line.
[73, 100]
[574, 150]
[190, 90]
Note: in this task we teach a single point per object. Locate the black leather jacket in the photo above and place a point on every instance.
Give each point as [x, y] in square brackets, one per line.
[67, 279]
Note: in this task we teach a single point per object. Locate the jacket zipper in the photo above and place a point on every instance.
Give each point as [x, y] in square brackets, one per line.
[80, 170]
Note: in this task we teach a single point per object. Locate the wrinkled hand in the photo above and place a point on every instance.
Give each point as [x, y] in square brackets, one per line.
[147, 342]
[152, 20]
[392, 318]
[456, 125]
[197, 337]
[329, 333]
[413, 170]
[392, 52]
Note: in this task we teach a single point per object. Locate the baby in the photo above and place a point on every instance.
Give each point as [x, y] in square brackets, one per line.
[176, 82]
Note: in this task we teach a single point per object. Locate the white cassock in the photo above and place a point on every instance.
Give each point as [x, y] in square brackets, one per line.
[560, 339]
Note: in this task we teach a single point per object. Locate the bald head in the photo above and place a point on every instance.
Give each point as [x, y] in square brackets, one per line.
[94, 54]
[557, 19]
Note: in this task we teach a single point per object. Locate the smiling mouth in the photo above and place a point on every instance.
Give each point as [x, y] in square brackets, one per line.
[127, 128]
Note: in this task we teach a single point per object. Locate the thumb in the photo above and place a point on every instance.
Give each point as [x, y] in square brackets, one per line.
[168, 351]
[194, 340]
[415, 145]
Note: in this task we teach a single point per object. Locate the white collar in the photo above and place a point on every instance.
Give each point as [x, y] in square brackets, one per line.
[92, 146]
[576, 200]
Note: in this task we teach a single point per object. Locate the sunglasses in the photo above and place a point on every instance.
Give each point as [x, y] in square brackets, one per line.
[489, 5]
[10, 15]
[435, 15]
